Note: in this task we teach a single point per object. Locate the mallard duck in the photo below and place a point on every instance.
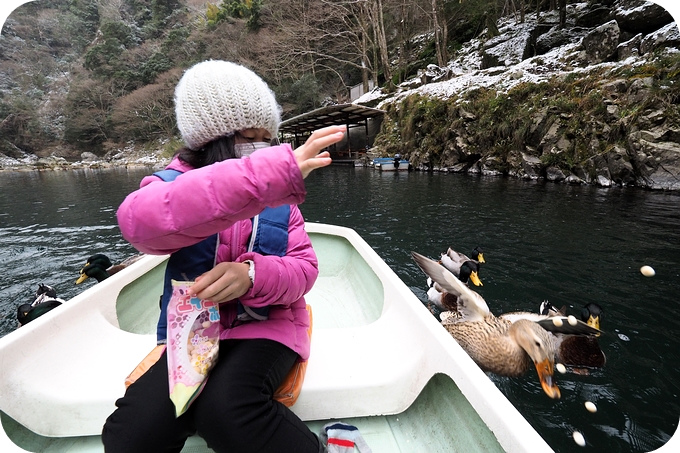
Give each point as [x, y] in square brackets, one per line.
[577, 350]
[504, 346]
[45, 299]
[441, 299]
[99, 267]
[463, 267]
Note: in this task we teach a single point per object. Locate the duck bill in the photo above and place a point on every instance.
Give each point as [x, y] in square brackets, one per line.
[594, 321]
[480, 258]
[81, 279]
[475, 279]
[545, 375]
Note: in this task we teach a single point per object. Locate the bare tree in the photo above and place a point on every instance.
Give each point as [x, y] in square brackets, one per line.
[375, 14]
[563, 13]
[409, 17]
[328, 35]
[439, 35]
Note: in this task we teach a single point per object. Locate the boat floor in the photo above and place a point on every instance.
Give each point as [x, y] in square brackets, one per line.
[440, 420]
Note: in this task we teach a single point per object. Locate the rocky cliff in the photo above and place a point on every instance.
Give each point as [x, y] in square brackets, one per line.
[594, 102]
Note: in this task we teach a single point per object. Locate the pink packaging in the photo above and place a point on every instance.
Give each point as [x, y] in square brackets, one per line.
[193, 342]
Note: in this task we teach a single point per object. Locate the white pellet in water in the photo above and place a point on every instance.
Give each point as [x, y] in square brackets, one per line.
[648, 271]
[579, 439]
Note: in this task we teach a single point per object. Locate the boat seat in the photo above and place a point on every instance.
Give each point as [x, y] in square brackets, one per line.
[367, 370]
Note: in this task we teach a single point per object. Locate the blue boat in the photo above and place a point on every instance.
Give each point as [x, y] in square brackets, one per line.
[388, 163]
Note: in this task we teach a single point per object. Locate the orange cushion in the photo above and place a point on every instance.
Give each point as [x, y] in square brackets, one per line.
[289, 390]
[145, 364]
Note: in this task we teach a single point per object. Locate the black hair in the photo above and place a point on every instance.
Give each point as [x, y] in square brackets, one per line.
[220, 149]
[217, 150]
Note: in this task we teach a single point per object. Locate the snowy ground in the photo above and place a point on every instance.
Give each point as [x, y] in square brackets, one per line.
[466, 72]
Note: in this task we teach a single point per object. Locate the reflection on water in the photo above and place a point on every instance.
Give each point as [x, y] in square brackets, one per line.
[568, 244]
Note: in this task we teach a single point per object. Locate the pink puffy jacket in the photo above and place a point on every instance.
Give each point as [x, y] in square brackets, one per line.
[162, 217]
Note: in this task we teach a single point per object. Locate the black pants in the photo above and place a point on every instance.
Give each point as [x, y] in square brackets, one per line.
[235, 412]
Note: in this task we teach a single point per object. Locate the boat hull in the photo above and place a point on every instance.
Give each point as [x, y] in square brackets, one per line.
[387, 164]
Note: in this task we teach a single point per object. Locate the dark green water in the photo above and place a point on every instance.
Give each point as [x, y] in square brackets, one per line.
[569, 245]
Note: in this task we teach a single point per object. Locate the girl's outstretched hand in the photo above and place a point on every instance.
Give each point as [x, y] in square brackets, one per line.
[308, 157]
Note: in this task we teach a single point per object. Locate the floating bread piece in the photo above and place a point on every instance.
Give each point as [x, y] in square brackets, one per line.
[591, 406]
[648, 271]
[579, 439]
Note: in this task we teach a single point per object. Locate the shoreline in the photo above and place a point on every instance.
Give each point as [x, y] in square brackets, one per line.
[158, 162]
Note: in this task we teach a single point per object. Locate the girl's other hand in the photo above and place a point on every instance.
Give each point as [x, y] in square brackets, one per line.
[308, 157]
[224, 282]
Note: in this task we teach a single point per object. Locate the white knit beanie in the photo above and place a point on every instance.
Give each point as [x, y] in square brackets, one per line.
[217, 98]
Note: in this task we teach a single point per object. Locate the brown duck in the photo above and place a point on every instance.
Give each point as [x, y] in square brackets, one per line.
[503, 346]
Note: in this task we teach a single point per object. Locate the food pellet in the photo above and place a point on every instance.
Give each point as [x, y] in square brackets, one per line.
[561, 368]
[579, 439]
[591, 406]
[648, 271]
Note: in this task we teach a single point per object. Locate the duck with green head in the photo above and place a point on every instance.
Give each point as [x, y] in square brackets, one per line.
[576, 350]
[463, 267]
[99, 267]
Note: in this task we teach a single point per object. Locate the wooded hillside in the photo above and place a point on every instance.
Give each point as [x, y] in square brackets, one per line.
[94, 74]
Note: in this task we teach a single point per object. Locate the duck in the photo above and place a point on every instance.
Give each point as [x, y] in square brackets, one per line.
[446, 302]
[463, 267]
[575, 350]
[45, 299]
[99, 267]
[500, 345]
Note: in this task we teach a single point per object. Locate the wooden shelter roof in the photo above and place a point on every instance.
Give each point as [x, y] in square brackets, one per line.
[350, 114]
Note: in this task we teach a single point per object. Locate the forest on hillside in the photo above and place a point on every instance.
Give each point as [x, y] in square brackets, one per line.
[94, 74]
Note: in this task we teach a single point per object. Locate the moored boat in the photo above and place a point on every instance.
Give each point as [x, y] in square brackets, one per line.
[389, 164]
[379, 361]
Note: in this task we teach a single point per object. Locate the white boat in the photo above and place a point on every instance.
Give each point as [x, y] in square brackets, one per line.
[401, 378]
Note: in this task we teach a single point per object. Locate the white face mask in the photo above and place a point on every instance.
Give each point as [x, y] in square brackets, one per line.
[246, 149]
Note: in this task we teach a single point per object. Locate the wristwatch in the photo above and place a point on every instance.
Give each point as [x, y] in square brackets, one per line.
[251, 271]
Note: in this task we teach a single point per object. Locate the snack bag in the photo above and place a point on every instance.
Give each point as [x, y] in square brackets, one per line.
[193, 341]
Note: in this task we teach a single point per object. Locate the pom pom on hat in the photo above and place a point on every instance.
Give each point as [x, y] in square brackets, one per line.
[217, 98]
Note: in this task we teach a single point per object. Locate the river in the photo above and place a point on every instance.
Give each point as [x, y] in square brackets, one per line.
[542, 241]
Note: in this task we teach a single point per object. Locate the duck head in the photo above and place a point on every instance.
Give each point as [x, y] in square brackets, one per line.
[539, 344]
[590, 314]
[95, 267]
[469, 270]
[478, 254]
[27, 312]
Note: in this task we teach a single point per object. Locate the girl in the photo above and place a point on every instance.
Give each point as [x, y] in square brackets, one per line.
[202, 214]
